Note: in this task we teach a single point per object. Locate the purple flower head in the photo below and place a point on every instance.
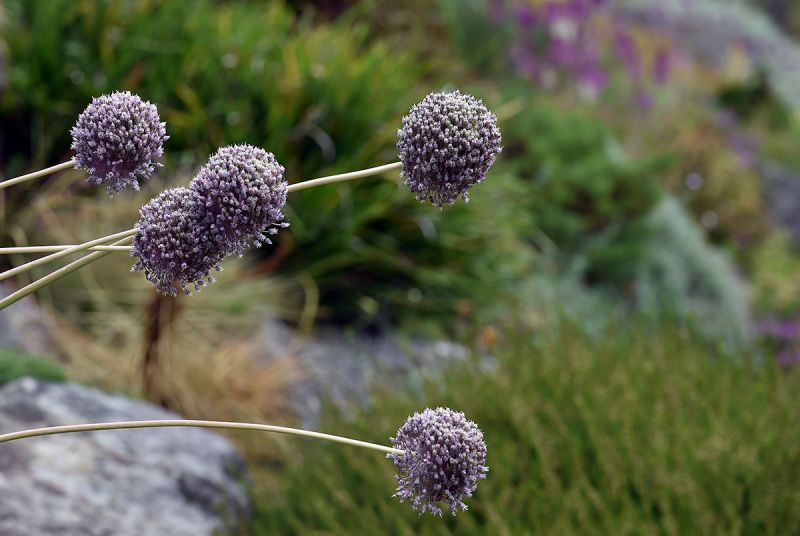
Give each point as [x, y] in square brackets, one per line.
[241, 192]
[447, 144]
[172, 249]
[118, 140]
[444, 458]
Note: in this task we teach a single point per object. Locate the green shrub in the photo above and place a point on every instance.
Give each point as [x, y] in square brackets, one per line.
[585, 194]
[16, 364]
[396, 260]
[220, 74]
[638, 432]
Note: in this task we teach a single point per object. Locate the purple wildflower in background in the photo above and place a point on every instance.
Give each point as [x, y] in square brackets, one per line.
[447, 144]
[445, 456]
[626, 50]
[172, 249]
[241, 193]
[662, 65]
[118, 140]
[558, 41]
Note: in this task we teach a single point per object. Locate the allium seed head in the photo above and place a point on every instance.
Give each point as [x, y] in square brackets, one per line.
[447, 144]
[118, 140]
[172, 249]
[445, 455]
[242, 192]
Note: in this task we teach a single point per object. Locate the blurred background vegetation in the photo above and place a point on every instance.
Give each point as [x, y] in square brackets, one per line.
[630, 264]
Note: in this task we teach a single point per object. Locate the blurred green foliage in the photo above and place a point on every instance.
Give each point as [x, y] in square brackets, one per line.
[313, 94]
[321, 96]
[17, 364]
[635, 432]
[775, 275]
[398, 261]
[682, 275]
[585, 194]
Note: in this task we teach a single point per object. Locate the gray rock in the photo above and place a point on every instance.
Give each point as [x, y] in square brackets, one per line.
[26, 326]
[343, 369]
[176, 481]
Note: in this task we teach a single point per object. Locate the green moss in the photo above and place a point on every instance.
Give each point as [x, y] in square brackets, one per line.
[16, 364]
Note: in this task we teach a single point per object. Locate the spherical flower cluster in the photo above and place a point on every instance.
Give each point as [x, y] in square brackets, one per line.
[118, 140]
[242, 191]
[445, 455]
[446, 145]
[172, 249]
[235, 201]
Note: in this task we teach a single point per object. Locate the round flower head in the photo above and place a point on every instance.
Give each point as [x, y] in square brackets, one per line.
[447, 144]
[444, 457]
[172, 249]
[118, 140]
[242, 192]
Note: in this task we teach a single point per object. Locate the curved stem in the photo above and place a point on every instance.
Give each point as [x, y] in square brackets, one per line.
[63, 253]
[343, 177]
[72, 428]
[58, 274]
[36, 174]
[48, 249]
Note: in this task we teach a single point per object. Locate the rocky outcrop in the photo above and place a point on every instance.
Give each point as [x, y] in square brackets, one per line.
[26, 326]
[342, 369]
[176, 481]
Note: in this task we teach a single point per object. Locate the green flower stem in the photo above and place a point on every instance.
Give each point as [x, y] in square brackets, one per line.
[97, 255]
[48, 249]
[64, 252]
[36, 174]
[71, 428]
[61, 272]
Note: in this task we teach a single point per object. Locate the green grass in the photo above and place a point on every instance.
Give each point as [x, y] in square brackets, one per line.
[16, 364]
[648, 432]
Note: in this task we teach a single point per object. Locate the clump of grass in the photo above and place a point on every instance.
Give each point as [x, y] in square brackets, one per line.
[15, 364]
[644, 432]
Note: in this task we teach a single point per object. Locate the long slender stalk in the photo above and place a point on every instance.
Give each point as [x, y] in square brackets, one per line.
[97, 255]
[72, 428]
[343, 177]
[63, 253]
[58, 274]
[49, 249]
[36, 174]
